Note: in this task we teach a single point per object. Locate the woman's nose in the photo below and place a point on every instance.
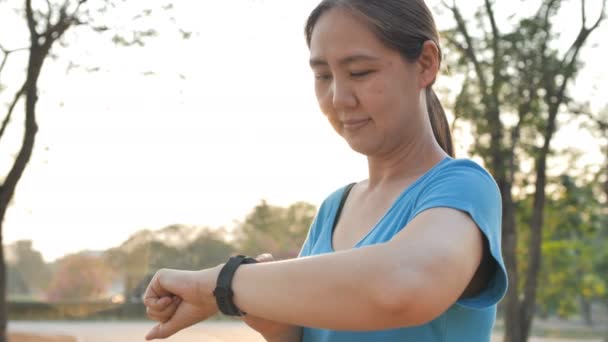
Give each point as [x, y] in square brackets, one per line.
[343, 95]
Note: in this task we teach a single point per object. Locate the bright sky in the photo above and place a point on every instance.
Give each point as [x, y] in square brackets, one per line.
[229, 117]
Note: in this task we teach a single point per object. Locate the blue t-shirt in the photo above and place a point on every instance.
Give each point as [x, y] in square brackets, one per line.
[455, 183]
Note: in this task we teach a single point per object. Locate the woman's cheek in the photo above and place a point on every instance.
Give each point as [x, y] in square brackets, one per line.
[322, 100]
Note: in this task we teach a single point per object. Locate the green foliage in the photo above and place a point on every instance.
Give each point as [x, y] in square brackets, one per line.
[27, 272]
[79, 277]
[276, 230]
[208, 250]
[518, 75]
[16, 286]
[517, 79]
[176, 246]
[87, 276]
[574, 249]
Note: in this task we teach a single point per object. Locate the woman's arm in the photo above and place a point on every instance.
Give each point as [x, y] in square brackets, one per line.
[408, 281]
[272, 331]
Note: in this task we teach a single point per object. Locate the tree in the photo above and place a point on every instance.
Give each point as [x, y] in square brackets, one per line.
[276, 230]
[16, 285]
[600, 263]
[572, 240]
[208, 250]
[47, 23]
[515, 85]
[45, 27]
[29, 266]
[79, 277]
[175, 246]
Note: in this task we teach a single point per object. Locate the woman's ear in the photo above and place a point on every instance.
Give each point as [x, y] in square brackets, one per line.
[428, 61]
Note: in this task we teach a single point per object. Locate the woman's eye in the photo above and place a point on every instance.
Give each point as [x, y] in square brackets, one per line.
[323, 77]
[361, 73]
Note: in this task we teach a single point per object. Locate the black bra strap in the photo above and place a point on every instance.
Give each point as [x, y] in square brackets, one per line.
[342, 201]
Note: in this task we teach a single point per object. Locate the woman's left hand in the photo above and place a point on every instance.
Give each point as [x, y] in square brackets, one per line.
[190, 300]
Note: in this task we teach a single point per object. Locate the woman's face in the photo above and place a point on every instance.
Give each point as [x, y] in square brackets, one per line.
[370, 94]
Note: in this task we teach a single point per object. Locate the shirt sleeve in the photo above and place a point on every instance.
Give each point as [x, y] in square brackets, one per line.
[466, 186]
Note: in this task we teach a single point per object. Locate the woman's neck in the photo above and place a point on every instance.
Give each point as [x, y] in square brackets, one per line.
[408, 161]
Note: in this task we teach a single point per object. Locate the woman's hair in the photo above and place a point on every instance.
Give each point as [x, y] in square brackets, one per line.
[402, 25]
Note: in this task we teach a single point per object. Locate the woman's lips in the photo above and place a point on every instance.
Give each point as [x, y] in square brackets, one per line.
[354, 124]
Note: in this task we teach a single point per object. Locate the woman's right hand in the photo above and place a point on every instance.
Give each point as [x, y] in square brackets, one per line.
[271, 330]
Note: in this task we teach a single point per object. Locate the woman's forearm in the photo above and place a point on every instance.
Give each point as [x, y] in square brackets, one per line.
[351, 290]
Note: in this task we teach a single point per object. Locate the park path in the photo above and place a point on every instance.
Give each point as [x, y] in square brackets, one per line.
[134, 331]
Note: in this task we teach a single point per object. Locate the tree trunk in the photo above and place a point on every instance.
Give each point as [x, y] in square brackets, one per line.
[586, 311]
[37, 56]
[3, 306]
[512, 315]
[606, 332]
[536, 223]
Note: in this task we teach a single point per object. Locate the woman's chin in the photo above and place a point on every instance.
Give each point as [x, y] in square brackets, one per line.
[361, 147]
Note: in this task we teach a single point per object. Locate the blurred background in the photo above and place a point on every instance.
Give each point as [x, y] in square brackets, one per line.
[141, 135]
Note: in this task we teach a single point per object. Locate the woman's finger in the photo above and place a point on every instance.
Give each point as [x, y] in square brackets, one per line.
[158, 310]
[153, 315]
[169, 311]
[159, 304]
[265, 257]
[186, 316]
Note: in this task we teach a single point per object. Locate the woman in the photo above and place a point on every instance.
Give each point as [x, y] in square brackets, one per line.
[410, 254]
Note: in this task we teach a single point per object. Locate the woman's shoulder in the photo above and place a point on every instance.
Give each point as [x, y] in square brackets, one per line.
[463, 163]
[334, 198]
[462, 169]
[460, 179]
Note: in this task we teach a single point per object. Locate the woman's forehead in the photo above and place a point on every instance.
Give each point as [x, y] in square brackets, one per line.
[339, 34]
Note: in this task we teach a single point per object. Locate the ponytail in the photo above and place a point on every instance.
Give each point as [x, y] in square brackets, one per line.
[439, 122]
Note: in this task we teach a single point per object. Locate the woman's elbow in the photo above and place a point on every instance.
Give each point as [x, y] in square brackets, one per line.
[405, 299]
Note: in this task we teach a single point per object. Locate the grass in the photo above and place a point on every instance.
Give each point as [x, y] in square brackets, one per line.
[21, 337]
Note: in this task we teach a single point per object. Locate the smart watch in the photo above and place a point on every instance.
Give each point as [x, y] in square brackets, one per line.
[223, 291]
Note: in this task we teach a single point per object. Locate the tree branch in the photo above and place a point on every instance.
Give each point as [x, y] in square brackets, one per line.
[4, 59]
[454, 42]
[571, 55]
[601, 17]
[7, 51]
[602, 125]
[54, 31]
[468, 50]
[547, 12]
[512, 156]
[497, 62]
[583, 13]
[7, 119]
[6, 54]
[31, 22]
[78, 8]
[49, 13]
[495, 32]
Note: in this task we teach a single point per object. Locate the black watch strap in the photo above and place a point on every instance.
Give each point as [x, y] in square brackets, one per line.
[223, 291]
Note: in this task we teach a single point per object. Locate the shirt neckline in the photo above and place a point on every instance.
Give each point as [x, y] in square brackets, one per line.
[390, 209]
